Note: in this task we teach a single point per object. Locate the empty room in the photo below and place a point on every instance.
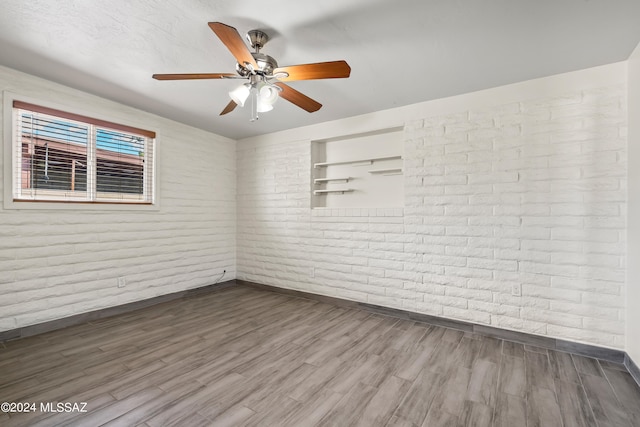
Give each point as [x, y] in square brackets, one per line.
[411, 213]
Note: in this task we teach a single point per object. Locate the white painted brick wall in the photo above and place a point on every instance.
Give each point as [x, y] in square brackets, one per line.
[529, 193]
[58, 263]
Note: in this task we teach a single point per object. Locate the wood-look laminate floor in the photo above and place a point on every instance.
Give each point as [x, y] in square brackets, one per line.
[243, 356]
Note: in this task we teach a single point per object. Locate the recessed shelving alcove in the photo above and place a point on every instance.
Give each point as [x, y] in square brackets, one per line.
[361, 170]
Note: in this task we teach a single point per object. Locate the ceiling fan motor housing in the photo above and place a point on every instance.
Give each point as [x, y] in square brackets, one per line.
[266, 65]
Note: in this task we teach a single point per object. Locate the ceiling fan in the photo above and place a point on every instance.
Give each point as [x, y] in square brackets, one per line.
[265, 78]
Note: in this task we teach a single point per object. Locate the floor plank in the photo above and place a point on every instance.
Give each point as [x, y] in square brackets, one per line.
[476, 415]
[563, 367]
[483, 383]
[542, 408]
[415, 405]
[314, 410]
[607, 410]
[382, 405]
[510, 411]
[512, 379]
[587, 365]
[350, 408]
[627, 392]
[574, 405]
[436, 418]
[538, 369]
[468, 351]
[513, 349]
[453, 392]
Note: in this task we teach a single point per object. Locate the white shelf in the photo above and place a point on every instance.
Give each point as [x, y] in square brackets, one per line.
[390, 171]
[325, 180]
[354, 162]
[323, 192]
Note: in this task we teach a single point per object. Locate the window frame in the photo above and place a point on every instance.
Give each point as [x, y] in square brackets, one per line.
[77, 113]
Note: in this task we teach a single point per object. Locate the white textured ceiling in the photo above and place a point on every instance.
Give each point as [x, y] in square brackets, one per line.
[400, 51]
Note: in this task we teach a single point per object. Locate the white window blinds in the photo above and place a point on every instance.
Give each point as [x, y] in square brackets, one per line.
[60, 156]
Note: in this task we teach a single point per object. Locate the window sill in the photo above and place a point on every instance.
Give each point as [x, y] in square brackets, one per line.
[22, 204]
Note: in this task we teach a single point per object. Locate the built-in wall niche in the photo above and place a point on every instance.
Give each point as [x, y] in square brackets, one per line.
[358, 171]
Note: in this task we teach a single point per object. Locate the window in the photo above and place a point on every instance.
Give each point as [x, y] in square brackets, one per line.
[65, 157]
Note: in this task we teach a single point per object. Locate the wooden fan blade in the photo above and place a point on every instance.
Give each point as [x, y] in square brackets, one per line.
[319, 70]
[194, 76]
[233, 41]
[297, 98]
[229, 108]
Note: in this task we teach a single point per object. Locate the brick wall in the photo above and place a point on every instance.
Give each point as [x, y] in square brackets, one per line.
[529, 193]
[57, 263]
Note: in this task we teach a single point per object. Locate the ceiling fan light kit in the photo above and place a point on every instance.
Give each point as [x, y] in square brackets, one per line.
[265, 77]
[263, 95]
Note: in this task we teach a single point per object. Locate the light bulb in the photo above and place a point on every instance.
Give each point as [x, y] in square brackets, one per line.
[263, 107]
[240, 94]
[268, 94]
